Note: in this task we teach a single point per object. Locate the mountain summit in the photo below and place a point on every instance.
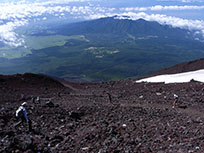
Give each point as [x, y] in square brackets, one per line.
[116, 26]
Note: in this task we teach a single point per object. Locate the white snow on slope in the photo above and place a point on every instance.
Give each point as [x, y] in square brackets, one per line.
[177, 78]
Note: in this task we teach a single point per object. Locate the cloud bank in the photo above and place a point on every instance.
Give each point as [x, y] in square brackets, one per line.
[14, 15]
[197, 25]
[164, 19]
[8, 36]
[161, 8]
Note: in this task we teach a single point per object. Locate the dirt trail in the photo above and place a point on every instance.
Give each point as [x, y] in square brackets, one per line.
[69, 86]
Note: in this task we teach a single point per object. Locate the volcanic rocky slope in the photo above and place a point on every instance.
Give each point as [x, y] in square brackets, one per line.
[183, 67]
[115, 116]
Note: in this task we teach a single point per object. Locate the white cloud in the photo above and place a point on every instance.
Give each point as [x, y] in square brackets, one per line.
[19, 14]
[161, 8]
[185, 7]
[160, 18]
[169, 20]
[8, 36]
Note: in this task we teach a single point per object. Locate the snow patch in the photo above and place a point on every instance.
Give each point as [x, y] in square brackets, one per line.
[177, 78]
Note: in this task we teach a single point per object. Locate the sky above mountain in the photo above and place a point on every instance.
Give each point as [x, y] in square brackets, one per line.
[15, 14]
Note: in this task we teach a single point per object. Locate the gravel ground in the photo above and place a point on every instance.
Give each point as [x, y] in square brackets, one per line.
[112, 117]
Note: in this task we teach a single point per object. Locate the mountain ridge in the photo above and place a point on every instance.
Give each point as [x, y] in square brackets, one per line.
[114, 25]
[182, 67]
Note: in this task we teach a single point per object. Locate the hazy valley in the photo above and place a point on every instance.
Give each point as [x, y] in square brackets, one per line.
[100, 50]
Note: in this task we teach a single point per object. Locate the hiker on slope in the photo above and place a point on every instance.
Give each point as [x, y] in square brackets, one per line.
[175, 100]
[21, 113]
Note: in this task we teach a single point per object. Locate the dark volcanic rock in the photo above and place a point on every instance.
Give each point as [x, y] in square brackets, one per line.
[49, 104]
[137, 117]
[22, 142]
[76, 115]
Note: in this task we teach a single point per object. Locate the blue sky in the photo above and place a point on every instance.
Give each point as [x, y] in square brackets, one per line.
[18, 13]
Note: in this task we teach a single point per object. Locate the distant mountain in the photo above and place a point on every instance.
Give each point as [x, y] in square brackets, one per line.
[114, 26]
[105, 49]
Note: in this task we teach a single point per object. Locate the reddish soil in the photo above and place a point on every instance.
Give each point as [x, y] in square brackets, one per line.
[106, 117]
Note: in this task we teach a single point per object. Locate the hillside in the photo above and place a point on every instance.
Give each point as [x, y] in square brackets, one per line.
[115, 116]
[104, 49]
[182, 67]
[123, 27]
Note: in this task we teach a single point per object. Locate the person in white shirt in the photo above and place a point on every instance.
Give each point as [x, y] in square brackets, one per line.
[175, 100]
[22, 114]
